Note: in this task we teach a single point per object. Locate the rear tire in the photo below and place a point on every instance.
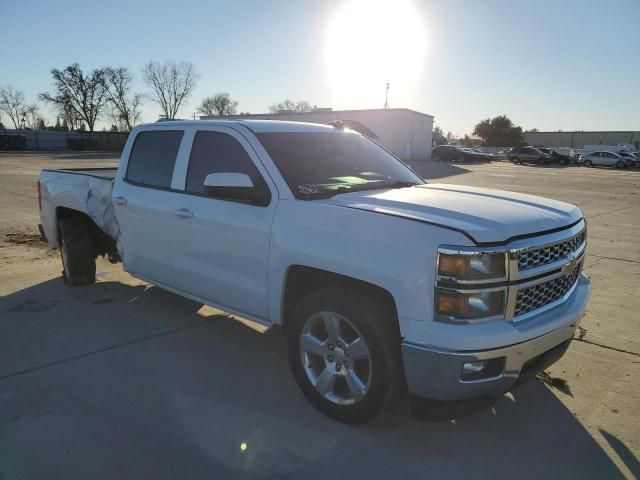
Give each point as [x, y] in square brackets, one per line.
[515, 160]
[77, 251]
[437, 158]
[381, 372]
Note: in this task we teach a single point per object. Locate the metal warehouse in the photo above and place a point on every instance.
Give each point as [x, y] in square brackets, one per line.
[405, 132]
[578, 139]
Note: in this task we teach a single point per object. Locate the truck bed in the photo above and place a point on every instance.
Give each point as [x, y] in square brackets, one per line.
[107, 173]
[85, 190]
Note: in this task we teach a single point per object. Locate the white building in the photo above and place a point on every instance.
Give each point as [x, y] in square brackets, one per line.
[405, 132]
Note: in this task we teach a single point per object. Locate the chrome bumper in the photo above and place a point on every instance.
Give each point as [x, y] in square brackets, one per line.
[436, 374]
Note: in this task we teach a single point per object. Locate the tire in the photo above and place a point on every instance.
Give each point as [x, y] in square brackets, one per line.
[515, 160]
[588, 163]
[77, 251]
[437, 158]
[621, 164]
[461, 159]
[360, 390]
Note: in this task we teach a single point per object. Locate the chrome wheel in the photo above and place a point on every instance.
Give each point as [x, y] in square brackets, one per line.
[335, 358]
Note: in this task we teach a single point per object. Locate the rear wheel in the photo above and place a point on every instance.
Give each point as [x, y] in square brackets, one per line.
[515, 160]
[344, 352]
[436, 158]
[77, 251]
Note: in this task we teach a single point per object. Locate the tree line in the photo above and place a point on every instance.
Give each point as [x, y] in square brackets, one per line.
[499, 131]
[81, 98]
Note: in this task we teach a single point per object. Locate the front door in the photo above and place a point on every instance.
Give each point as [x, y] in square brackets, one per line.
[222, 246]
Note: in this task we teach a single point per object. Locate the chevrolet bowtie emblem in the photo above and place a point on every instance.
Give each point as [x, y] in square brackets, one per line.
[570, 266]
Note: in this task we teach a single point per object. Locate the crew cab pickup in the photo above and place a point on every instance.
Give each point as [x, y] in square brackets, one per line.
[381, 282]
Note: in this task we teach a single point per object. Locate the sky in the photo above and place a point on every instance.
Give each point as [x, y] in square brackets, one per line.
[547, 64]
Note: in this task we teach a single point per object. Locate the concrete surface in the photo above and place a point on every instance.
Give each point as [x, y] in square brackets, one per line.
[124, 380]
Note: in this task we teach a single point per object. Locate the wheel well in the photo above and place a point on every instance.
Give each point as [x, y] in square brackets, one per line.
[301, 281]
[104, 244]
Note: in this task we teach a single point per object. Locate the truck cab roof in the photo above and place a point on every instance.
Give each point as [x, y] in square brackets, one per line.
[256, 126]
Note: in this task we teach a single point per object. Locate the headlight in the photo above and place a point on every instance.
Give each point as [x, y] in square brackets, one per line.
[470, 285]
[471, 266]
[452, 305]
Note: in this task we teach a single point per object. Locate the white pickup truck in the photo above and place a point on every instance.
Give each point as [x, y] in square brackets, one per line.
[381, 282]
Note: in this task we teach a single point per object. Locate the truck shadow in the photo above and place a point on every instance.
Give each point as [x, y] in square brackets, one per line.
[433, 170]
[130, 381]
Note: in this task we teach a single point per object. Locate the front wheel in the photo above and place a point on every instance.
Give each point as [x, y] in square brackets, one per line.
[436, 158]
[515, 160]
[588, 163]
[344, 352]
[621, 164]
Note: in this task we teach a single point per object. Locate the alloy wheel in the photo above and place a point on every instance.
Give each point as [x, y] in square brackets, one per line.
[336, 358]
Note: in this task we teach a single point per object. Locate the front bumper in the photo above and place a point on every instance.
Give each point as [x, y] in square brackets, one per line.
[436, 374]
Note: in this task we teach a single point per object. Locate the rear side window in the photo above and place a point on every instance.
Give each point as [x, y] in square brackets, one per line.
[153, 157]
[216, 152]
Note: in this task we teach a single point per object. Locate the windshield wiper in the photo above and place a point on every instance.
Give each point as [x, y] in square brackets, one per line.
[382, 186]
[359, 188]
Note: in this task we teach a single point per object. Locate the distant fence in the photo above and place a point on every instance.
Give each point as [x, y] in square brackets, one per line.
[23, 139]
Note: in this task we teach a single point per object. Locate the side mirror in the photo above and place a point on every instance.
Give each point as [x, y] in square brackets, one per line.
[235, 186]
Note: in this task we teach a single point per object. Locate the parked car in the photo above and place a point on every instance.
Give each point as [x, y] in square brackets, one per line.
[529, 155]
[382, 283]
[607, 159]
[557, 157]
[630, 158]
[454, 153]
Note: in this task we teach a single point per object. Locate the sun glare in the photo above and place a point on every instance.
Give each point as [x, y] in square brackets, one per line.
[369, 43]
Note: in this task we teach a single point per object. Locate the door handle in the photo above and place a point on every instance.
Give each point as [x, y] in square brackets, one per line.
[183, 213]
[120, 201]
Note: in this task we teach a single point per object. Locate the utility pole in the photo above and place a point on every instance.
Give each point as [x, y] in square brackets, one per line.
[386, 97]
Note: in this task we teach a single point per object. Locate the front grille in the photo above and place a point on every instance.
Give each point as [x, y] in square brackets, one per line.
[536, 257]
[537, 296]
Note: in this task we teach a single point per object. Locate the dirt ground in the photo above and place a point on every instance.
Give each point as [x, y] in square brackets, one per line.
[124, 380]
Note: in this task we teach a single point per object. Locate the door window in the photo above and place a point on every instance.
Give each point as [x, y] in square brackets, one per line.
[153, 157]
[216, 152]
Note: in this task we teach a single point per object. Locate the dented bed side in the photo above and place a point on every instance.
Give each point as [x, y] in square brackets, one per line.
[87, 191]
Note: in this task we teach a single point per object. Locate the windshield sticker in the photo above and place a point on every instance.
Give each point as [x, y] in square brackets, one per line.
[308, 190]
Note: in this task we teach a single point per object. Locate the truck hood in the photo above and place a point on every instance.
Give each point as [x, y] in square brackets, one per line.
[486, 215]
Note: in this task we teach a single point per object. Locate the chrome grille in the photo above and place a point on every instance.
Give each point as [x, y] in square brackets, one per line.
[536, 257]
[537, 296]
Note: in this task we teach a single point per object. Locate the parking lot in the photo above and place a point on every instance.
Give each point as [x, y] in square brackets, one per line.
[124, 380]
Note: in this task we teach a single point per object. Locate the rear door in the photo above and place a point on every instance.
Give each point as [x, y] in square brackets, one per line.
[221, 249]
[144, 203]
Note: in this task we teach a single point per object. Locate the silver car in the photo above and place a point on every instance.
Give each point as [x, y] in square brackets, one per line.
[607, 159]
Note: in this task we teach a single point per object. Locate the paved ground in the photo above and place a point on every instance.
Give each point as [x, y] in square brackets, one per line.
[124, 380]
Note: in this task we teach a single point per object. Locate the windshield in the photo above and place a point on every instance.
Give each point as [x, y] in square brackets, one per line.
[323, 164]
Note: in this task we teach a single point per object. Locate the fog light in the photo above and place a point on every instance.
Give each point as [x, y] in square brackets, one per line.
[482, 369]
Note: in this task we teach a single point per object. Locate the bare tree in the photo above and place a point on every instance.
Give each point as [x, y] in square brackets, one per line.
[125, 105]
[171, 84]
[12, 103]
[83, 93]
[218, 105]
[70, 119]
[31, 117]
[290, 105]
